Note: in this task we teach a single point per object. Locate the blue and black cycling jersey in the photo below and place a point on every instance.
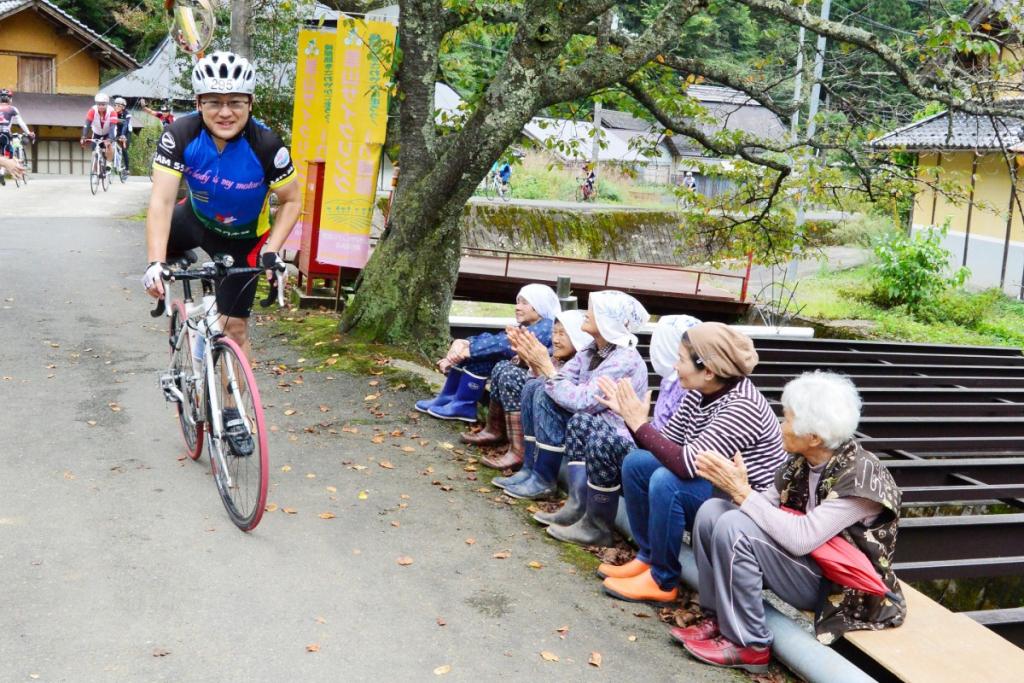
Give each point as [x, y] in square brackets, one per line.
[229, 190]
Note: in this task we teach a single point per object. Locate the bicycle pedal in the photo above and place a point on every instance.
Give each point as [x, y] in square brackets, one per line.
[172, 394]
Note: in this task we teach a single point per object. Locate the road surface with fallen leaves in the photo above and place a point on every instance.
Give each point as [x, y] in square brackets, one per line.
[381, 560]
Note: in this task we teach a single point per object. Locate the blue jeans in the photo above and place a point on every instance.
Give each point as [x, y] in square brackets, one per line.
[526, 397]
[660, 506]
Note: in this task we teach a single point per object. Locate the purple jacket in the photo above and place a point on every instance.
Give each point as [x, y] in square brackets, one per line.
[670, 395]
[575, 386]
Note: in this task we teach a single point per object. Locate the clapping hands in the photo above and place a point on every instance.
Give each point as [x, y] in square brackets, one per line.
[530, 351]
[621, 398]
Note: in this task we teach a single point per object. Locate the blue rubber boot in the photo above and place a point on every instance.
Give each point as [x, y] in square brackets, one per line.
[451, 385]
[576, 505]
[524, 472]
[463, 405]
[543, 480]
[597, 526]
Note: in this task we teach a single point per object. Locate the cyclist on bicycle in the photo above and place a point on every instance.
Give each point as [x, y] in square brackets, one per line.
[124, 125]
[9, 115]
[101, 124]
[589, 180]
[164, 115]
[231, 163]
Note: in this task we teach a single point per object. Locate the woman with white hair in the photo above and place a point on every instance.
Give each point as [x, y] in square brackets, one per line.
[612, 318]
[469, 362]
[753, 541]
[595, 450]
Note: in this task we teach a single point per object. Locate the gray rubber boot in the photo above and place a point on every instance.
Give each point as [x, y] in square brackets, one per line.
[576, 505]
[597, 526]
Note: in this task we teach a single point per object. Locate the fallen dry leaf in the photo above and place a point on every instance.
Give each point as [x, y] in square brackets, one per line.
[350, 430]
[331, 489]
[441, 621]
[324, 408]
[289, 412]
[374, 382]
[363, 495]
[331, 361]
[469, 468]
[386, 464]
[470, 541]
[286, 468]
[313, 647]
[310, 475]
[631, 638]
[326, 515]
[68, 474]
[445, 445]
[271, 507]
[408, 449]
[378, 439]
[371, 397]
[442, 670]
[502, 555]
[91, 423]
[290, 511]
[548, 656]
[320, 620]
[595, 659]
[405, 560]
[484, 489]
[114, 407]
[405, 496]
[534, 564]
[161, 652]
[562, 629]
[395, 523]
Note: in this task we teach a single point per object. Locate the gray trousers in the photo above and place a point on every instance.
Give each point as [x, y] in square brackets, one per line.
[735, 561]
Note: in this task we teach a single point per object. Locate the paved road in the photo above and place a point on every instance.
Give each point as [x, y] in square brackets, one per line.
[69, 196]
[117, 562]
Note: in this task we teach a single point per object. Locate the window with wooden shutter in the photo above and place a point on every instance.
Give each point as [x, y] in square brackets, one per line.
[35, 74]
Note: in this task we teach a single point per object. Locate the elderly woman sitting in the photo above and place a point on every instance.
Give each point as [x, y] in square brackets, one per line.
[722, 410]
[595, 449]
[754, 542]
[611, 319]
[469, 361]
[508, 381]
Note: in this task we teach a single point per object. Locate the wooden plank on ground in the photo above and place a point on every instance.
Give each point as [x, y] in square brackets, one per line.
[935, 645]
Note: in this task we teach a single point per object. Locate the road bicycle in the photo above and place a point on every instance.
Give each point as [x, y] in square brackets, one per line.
[495, 187]
[584, 192]
[14, 148]
[211, 383]
[98, 168]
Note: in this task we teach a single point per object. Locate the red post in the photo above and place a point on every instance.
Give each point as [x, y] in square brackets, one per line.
[309, 266]
[746, 278]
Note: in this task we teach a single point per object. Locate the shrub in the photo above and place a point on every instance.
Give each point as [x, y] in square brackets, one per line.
[912, 270]
[959, 308]
[865, 230]
[140, 154]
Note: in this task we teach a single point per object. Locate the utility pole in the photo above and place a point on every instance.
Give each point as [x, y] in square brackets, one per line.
[794, 120]
[241, 36]
[596, 147]
[812, 125]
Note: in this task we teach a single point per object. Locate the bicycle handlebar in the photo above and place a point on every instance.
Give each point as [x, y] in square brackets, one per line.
[218, 271]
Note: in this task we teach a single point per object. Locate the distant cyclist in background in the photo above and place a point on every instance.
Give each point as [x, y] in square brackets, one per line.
[9, 115]
[124, 125]
[164, 115]
[101, 124]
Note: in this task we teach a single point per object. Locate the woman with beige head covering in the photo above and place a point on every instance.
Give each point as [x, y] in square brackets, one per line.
[722, 411]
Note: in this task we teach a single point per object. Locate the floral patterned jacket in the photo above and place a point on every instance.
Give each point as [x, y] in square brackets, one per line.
[852, 471]
[575, 386]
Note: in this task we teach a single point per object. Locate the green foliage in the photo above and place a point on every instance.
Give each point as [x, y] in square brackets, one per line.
[864, 230]
[912, 270]
[140, 154]
[958, 307]
[135, 26]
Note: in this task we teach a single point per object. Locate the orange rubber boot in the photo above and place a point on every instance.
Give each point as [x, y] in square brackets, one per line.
[622, 571]
[639, 588]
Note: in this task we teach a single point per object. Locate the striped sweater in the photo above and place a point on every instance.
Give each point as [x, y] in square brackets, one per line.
[738, 420]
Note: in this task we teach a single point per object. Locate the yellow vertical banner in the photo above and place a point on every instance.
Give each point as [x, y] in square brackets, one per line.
[355, 139]
[314, 87]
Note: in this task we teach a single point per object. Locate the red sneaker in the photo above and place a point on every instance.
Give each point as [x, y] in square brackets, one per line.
[705, 629]
[722, 652]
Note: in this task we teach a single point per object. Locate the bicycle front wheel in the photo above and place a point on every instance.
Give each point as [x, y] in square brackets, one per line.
[94, 176]
[105, 178]
[243, 479]
[190, 416]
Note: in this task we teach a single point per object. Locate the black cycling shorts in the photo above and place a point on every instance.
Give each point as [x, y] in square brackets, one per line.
[236, 293]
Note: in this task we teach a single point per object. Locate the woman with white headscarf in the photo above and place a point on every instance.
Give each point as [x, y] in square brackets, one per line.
[510, 383]
[612, 319]
[595, 449]
[469, 361]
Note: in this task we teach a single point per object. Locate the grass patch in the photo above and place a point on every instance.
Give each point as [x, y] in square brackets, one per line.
[843, 295]
[316, 335]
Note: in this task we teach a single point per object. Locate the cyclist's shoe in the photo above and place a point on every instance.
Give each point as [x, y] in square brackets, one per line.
[237, 434]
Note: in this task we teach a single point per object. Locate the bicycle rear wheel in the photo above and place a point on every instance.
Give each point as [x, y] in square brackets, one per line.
[122, 169]
[243, 486]
[190, 417]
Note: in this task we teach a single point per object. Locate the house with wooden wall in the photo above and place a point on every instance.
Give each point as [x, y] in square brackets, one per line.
[53, 63]
[983, 158]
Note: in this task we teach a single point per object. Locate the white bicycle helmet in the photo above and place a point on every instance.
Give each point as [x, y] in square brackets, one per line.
[102, 98]
[224, 73]
[120, 101]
